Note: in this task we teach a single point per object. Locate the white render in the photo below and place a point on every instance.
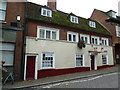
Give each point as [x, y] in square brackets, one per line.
[65, 51]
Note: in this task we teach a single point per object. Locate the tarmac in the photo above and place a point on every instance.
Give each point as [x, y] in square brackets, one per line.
[58, 79]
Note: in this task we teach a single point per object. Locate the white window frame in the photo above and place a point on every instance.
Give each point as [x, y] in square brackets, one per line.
[92, 24]
[103, 41]
[53, 60]
[118, 31]
[3, 10]
[36, 65]
[74, 19]
[47, 29]
[72, 33]
[98, 40]
[46, 14]
[7, 48]
[106, 59]
[85, 36]
[112, 14]
[82, 61]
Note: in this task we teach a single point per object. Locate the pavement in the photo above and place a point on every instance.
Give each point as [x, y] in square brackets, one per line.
[58, 79]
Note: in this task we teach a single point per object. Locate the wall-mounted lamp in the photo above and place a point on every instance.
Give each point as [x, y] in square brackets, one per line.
[18, 18]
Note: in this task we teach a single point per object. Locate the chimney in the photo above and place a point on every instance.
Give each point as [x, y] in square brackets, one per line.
[51, 4]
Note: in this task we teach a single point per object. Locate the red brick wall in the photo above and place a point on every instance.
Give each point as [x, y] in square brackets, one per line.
[18, 54]
[13, 9]
[101, 17]
[32, 30]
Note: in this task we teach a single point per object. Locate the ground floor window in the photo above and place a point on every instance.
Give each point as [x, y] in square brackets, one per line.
[104, 59]
[79, 60]
[7, 53]
[47, 60]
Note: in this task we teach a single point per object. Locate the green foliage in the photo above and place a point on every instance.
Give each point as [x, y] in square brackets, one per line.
[81, 44]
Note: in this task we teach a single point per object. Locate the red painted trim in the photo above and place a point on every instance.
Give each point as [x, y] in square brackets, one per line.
[55, 72]
[105, 66]
[105, 51]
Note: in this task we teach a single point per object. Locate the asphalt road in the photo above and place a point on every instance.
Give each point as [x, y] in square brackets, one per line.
[102, 81]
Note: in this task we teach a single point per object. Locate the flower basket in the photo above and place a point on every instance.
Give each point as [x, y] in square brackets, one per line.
[81, 44]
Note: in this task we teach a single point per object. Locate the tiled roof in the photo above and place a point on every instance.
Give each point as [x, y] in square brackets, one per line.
[61, 18]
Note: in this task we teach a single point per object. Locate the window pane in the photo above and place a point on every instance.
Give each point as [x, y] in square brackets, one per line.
[7, 46]
[79, 60]
[82, 38]
[47, 34]
[105, 42]
[44, 12]
[54, 35]
[70, 37]
[8, 57]
[74, 37]
[8, 36]
[92, 40]
[2, 15]
[42, 33]
[3, 5]
[104, 59]
[96, 42]
[102, 42]
[48, 61]
[48, 13]
[86, 40]
[72, 19]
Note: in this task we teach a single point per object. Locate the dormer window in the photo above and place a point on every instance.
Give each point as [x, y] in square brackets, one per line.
[92, 24]
[46, 12]
[74, 19]
[112, 13]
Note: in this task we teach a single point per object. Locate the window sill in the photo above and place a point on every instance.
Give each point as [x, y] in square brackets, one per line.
[3, 22]
[47, 69]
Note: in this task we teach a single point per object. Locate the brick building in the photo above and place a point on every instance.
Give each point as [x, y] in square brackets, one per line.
[60, 43]
[11, 31]
[112, 23]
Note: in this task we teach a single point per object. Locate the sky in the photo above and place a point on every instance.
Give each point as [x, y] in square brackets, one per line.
[83, 8]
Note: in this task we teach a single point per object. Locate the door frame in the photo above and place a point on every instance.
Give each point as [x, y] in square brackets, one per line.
[95, 63]
[36, 60]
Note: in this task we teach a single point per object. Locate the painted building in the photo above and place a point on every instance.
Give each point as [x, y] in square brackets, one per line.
[52, 38]
[11, 36]
[111, 22]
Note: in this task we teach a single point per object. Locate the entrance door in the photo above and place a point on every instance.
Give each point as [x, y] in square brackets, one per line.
[30, 67]
[92, 62]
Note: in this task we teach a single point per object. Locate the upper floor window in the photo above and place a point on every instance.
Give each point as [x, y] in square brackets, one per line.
[47, 33]
[117, 31]
[112, 13]
[79, 60]
[3, 10]
[74, 19]
[46, 12]
[104, 41]
[92, 24]
[85, 38]
[72, 37]
[95, 40]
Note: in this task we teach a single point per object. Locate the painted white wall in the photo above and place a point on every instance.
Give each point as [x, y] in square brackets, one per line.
[65, 52]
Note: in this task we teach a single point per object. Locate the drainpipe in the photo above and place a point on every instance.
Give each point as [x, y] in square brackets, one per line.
[23, 45]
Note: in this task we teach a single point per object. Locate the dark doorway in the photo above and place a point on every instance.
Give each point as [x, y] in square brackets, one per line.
[92, 62]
